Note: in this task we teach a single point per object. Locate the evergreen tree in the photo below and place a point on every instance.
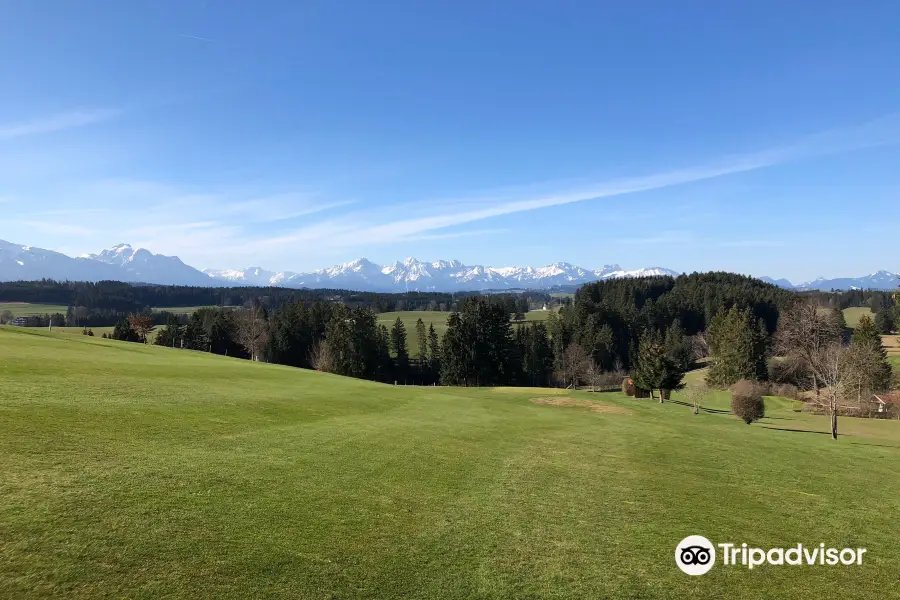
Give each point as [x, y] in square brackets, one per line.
[737, 347]
[399, 349]
[537, 355]
[124, 332]
[421, 339]
[870, 367]
[434, 352]
[654, 369]
[866, 334]
[479, 348]
[385, 362]
[884, 321]
[678, 348]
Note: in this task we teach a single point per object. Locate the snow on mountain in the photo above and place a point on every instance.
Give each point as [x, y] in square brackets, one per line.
[648, 272]
[440, 275]
[141, 265]
[256, 276]
[119, 263]
[138, 265]
[879, 280]
[18, 262]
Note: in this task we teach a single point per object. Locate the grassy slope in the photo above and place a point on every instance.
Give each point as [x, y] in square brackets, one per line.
[28, 309]
[135, 471]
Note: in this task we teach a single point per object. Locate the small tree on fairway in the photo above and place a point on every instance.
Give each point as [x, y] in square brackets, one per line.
[695, 393]
[747, 401]
[655, 369]
[830, 365]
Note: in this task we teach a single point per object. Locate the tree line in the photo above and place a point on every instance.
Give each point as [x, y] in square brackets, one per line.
[607, 329]
[105, 303]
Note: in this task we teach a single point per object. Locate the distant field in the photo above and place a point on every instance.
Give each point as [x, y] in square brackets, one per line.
[184, 310]
[436, 318]
[852, 315]
[28, 309]
[131, 471]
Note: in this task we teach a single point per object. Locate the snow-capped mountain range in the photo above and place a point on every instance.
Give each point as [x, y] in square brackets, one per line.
[138, 265]
[441, 275]
[879, 280]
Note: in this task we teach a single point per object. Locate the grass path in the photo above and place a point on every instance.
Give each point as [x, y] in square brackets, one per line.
[145, 472]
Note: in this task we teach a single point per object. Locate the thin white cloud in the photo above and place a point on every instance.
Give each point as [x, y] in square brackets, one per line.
[455, 234]
[196, 37]
[59, 122]
[359, 230]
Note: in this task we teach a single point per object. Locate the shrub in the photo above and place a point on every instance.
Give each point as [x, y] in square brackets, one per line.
[628, 387]
[747, 401]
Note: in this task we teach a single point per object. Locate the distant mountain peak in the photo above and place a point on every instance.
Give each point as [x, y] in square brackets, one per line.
[123, 262]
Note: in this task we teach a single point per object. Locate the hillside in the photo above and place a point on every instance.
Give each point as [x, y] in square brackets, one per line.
[137, 471]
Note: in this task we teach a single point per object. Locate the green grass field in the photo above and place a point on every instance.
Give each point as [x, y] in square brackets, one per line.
[28, 309]
[144, 472]
[852, 315]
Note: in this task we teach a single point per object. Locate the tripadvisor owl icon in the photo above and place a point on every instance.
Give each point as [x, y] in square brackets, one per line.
[695, 555]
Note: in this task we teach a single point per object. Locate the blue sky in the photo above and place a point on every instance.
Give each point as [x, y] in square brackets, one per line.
[294, 135]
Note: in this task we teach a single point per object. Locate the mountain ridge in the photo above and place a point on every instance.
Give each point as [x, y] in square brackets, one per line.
[122, 262]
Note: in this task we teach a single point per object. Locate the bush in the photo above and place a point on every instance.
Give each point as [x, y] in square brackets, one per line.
[747, 401]
[628, 387]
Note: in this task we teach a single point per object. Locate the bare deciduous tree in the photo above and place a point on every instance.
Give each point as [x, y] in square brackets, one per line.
[696, 393]
[320, 357]
[573, 366]
[805, 334]
[252, 332]
[829, 365]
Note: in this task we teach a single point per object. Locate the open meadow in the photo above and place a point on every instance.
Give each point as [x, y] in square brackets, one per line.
[29, 309]
[852, 314]
[145, 472]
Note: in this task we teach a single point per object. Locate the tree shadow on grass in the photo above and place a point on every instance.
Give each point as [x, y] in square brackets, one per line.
[877, 445]
[801, 430]
[709, 410]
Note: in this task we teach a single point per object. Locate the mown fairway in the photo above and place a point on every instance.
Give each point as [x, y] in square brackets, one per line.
[144, 472]
[28, 309]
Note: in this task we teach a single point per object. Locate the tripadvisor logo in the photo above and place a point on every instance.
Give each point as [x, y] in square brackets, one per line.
[696, 555]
